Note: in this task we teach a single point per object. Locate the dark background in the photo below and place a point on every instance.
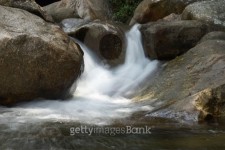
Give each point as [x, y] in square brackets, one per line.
[45, 2]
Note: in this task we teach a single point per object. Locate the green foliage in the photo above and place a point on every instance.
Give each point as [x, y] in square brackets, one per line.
[123, 9]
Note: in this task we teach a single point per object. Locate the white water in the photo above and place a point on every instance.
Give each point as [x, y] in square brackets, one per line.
[100, 95]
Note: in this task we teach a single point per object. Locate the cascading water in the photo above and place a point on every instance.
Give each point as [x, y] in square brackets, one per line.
[100, 95]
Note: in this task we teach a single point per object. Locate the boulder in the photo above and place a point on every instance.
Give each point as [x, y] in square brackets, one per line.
[60, 12]
[105, 39]
[37, 59]
[208, 11]
[173, 89]
[85, 9]
[153, 10]
[166, 40]
[28, 5]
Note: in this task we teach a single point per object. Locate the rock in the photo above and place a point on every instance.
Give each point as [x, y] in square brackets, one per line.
[209, 11]
[210, 103]
[60, 12]
[85, 9]
[207, 105]
[172, 17]
[170, 91]
[70, 24]
[216, 35]
[37, 59]
[105, 39]
[166, 40]
[152, 10]
[28, 5]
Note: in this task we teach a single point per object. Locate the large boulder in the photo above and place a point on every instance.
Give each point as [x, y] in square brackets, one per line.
[105, 39]
[201, 68]
[208, 11]
[166, 40]
[37, 59]
[152, 10]
[85, 9]
[28, 5]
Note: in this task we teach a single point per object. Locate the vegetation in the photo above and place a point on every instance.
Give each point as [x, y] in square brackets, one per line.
[123, 9]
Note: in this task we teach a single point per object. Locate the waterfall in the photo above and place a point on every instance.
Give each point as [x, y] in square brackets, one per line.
[101, 92]
[120, 81]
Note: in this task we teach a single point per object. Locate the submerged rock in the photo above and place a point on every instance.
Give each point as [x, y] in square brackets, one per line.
[208, 11]
[106, 39]
[85, 9]
[166, 40]
[28, 5]
[37, 59]
[202, 67]
[153, 10]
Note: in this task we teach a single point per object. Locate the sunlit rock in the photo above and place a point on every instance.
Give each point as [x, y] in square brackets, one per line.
[208, 11]
[153, 10]
[85, 9]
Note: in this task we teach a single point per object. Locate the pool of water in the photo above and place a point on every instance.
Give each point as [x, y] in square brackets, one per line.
[164, 134]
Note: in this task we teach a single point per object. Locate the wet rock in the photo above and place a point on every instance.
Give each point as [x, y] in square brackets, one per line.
[216, 35]
[37, 59]
[166, 40]
[206, 105]
[201, 68]
[152, 10]
[105, 39]
[85, 9]
[28, 5]
[208, 11]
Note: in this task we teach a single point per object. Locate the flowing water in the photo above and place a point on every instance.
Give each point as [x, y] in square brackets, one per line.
[102, 99]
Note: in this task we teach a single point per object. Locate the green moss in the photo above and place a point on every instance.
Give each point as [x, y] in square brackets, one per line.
[123, 9]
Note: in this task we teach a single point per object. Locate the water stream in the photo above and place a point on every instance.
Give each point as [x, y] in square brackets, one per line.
[101, 92]
[102, 96]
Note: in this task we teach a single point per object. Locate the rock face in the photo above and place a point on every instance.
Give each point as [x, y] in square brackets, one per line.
[216, 35]
[206, 105]
[152, 10]
[85, 9]
[28, 5]
[105, 39]
[166, 40]
[201, 68]
[37, 60]
[209, 11]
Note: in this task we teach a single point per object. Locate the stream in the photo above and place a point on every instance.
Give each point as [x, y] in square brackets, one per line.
[103, 100]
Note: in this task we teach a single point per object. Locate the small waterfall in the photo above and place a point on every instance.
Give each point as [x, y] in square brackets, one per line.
[101, 93]
[120, 81]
